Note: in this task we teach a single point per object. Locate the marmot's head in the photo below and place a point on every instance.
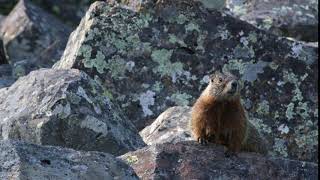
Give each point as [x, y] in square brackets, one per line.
[224, 86]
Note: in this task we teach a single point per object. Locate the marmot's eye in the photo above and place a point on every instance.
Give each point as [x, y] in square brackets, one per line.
[220, 80]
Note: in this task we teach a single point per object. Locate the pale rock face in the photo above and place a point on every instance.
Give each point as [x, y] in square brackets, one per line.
[65, 108]
[171, 126]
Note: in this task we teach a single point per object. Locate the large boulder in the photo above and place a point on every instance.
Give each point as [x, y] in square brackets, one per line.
[292, 18]
[65, 108]
[172, 126]
[161, 56]
[19, 160]
[190, 160]
[32, 35]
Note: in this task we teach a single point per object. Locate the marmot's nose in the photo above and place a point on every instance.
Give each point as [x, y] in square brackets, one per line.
[234, 84]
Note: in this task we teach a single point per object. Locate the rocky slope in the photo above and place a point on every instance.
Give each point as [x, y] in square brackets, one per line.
[128, 63]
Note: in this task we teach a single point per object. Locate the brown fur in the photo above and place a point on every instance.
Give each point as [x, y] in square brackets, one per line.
[219, 117]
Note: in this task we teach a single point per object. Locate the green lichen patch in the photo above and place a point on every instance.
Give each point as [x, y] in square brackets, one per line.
[181, 99]
[263, 108]
[131, 159]
[165, 66]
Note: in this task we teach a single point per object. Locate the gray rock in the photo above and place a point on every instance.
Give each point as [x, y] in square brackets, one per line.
[31, 34]
[190, 160]
[161, 56]
[171, 126]
[20, 160]
[65, 108]
[292, 18]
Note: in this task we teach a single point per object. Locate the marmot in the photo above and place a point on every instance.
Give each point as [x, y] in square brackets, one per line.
[219, 117]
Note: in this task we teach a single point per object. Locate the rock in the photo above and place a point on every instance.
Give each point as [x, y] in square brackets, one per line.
[20, 160]
[190, 160]
[161, 56]
[6, 78]
[292, 18]
[3, 58]
[29, 34]
[65, 108]
[6, 6]
[171, 126]
[69, 12]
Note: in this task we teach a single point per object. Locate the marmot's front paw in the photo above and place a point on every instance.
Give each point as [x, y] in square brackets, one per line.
[202, 141]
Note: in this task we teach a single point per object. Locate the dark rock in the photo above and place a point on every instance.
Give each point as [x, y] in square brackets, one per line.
[6, 6]
[65, 108]
[161, 56]
[3, 58]
[6, 78]
[69, 11]
[292, 18]
[20, 160]
[190, 160]
[30, 34]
